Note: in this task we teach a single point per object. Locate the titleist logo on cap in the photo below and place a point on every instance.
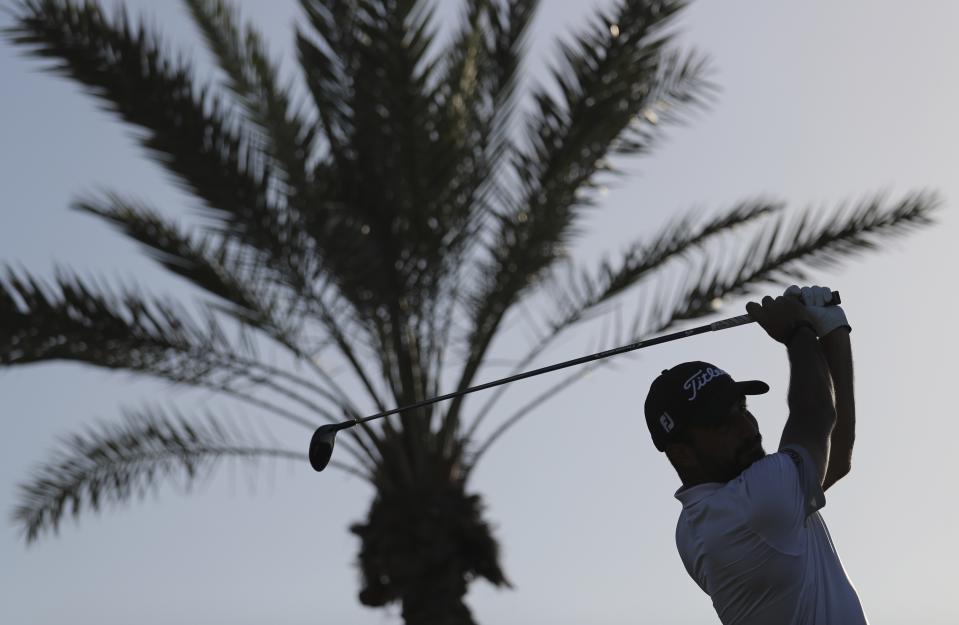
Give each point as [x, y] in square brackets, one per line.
[700, 379]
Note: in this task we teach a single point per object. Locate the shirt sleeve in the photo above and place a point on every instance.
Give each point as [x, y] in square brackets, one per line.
[813, 496]
[781, 491]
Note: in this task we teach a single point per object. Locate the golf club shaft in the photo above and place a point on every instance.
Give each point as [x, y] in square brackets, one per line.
[723, 324]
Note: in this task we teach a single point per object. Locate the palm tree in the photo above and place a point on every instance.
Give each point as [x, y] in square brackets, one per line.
[390, 224]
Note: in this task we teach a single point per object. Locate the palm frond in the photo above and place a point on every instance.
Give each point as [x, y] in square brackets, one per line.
[252, 77]
[608, 78]
[577, 295]
[820, 239]
[124, 330]
[327, 71]
[397, 118]
[116, 463]
[680, 88]
[217, 264]
[774, 256]
[185, 129]
[611, 81]
[509, 25]
[475, 97]
[220, 266]
[367, 72]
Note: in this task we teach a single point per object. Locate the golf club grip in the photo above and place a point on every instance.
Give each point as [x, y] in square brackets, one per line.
[732, 322]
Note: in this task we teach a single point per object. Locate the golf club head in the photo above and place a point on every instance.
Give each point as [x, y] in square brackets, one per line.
[321, 446]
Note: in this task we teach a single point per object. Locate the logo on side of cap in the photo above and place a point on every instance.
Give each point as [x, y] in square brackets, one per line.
[667, 422]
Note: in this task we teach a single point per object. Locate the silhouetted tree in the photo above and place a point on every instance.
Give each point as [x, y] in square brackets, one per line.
[390, 222]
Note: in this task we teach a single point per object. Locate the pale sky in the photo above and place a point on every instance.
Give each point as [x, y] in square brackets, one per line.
[822, 102]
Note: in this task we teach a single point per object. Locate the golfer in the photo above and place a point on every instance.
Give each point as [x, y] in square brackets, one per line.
[750, 534]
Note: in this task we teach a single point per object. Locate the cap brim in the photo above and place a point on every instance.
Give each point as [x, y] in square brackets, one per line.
[752, 387]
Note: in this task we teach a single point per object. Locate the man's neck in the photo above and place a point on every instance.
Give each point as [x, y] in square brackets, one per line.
[696, 477]
[690, 481]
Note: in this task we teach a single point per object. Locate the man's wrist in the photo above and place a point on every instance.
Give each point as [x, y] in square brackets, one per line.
[837, 332]
[838, 349]
[799, 330]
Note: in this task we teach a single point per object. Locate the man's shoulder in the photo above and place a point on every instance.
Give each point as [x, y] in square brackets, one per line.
[795, 453]
[780, 489]
[774, 470]
[709, 511]
[720, 505]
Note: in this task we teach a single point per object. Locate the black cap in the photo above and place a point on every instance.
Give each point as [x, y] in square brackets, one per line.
[692, 393]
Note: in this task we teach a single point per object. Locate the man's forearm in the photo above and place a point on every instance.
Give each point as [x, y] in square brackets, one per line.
[838, 350]
[812, 413]
[809, 380]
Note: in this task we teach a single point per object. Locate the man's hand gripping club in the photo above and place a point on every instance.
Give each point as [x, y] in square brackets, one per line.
[816, 299]
[783, 316]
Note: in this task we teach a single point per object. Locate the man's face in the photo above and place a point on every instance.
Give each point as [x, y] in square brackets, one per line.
[729, 447]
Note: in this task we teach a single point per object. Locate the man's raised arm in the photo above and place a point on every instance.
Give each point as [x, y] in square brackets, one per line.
[833, 330]
[812, 412]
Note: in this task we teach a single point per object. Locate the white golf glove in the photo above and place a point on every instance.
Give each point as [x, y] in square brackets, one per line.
[825, 318]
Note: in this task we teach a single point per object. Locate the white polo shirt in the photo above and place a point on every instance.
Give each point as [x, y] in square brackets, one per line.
[759, 548]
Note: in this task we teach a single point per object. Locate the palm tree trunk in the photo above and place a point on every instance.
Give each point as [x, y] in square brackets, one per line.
[438, 600]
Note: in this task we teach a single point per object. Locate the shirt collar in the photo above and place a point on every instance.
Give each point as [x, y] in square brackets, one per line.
[694, 494]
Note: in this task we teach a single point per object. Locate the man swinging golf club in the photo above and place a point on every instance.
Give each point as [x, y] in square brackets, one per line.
[749, 533]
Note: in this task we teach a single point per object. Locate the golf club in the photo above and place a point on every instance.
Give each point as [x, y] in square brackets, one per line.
[321, 445]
